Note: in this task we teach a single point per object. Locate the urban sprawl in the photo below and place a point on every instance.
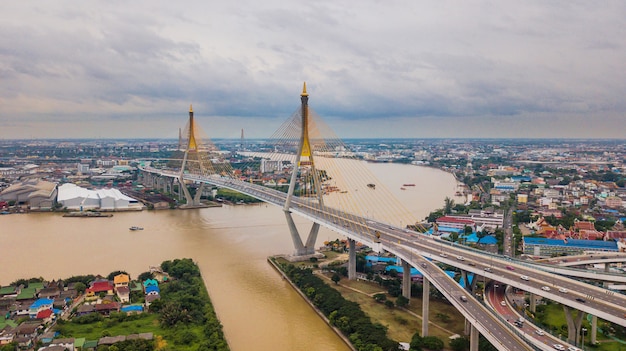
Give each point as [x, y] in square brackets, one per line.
[533, 199]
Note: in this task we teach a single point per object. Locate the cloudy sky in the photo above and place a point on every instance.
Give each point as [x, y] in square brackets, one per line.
[411, 68]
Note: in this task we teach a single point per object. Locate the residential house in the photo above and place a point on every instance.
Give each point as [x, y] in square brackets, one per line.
[107, 308]
[40, 305]
[150, 282]
[159, 275]
[151, 298]
[123, 293]
[110, 340]
[50, 292]
[67, 343]
[121, 280]
[152, 290]
[97, 288]
[85, 309]
[28, 330]
[6, 336]
[9, 291]
[45, 315]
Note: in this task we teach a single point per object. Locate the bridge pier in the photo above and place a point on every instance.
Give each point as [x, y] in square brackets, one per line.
[351, 259]
[300, 248]
[406, 279]
[474, 337]
[594, 329]
[533, 303]
[573, 325]
[425, 306]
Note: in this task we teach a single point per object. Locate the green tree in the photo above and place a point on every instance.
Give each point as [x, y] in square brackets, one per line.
[432, 343]
[416, 342]
[402, 301]
[459, 344]
[380, 297]
[145, 276]
[80, 287]
[114, 273]
[432, 217]
[336, 278]
[448, 205]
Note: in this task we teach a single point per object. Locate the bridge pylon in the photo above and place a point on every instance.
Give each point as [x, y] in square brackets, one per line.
[304, 163]
[192, 147]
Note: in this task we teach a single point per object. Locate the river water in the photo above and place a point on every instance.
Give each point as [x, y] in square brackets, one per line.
[230, 244]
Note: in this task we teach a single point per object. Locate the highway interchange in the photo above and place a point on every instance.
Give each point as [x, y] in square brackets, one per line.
[418, 249]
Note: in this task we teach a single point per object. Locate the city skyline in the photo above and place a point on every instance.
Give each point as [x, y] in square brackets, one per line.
[399, 69]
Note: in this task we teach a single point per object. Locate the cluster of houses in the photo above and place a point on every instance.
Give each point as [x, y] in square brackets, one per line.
[40, 304]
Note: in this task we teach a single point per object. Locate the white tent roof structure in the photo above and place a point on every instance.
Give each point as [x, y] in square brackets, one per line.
[73, 197]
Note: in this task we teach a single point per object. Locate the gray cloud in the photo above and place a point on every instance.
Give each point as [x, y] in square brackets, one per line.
[479, 63]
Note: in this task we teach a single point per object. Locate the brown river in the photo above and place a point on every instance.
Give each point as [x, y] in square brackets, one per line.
[258, 309]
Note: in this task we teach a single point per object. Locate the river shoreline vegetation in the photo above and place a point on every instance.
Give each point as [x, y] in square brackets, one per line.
[183, 319]
[347, 316]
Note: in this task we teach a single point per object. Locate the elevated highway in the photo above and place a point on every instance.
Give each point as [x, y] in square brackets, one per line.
[579, 260]
[416, 249]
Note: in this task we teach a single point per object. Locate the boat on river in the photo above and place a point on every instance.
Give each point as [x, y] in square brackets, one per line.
[135, 228]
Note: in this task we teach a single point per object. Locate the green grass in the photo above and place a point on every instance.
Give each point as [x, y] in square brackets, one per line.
[402, 324]
[554, 318]
[147, 323]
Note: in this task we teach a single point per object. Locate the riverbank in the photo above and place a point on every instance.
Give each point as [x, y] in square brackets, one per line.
[317, 311]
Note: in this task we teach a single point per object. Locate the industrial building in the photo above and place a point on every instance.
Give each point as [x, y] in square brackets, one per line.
[73, 197]
[35, 194]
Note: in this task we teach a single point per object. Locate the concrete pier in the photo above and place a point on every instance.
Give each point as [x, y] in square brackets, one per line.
[425, 306]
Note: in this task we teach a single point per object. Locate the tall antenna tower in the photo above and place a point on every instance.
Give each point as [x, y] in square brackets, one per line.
[242, 145]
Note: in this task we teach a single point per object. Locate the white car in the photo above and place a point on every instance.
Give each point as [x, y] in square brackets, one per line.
[572, 348]
[503, 303]
[443, 255]
[539, 332]
[545, 288]
[563, 290]
[559, 347]
[460, 258]
[524, 277]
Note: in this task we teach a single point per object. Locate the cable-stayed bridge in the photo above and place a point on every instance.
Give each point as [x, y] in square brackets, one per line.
[319, 193]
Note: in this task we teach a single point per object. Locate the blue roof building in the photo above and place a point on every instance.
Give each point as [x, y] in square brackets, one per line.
[152, 289]
[132, 308]
[544, 247]
[488, 240]
[400, 270]
[376, 259]
[39, 305]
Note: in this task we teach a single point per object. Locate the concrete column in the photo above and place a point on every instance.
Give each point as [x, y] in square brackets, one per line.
[425, 306]
[474, 336]
[468, 327]
[351, 259]
[406, 279]
[533, 303]
[465, 281]
[594, 329]
[573, 326]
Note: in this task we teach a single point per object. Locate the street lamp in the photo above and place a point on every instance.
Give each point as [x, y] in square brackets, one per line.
[584, 330]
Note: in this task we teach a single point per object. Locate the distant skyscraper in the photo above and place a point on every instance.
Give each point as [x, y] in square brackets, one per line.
[180, 139]
[242, 145]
